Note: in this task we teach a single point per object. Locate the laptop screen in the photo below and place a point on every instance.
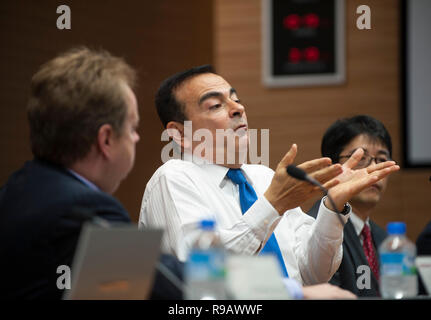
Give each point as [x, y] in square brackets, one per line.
[114, 263]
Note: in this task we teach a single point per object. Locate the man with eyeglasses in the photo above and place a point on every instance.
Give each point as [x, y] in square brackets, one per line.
[362, 236]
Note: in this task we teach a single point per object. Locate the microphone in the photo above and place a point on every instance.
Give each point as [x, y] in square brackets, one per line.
[300, 174]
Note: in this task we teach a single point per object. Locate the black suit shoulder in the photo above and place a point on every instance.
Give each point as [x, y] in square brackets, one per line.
[42, 209]
[423, 246]
[40, 187]
[423, 242]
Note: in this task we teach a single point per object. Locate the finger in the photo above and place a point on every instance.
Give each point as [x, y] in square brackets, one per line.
[371, 179]
[328, 173]
[352, 188]
[354, 158]
[314, 165]
[345, 294]
[380, 166]
[289, 156]
[382, 173]
[331, 183]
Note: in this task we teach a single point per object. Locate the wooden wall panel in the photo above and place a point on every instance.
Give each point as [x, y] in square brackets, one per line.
[158, 38]
[301, 115]
[165, 36]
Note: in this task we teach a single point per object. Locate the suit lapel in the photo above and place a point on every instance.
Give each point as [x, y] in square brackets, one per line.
[352, 240]
[378, 235]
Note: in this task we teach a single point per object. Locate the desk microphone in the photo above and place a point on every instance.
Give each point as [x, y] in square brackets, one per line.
[300, 174]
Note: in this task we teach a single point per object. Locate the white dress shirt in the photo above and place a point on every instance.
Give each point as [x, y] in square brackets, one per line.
[358, 224]
[181, 193]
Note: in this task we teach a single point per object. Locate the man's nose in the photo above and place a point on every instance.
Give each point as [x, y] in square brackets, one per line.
[236, 109]
[372, 159]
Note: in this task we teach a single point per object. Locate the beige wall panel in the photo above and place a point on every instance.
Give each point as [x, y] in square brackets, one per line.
[301, 115]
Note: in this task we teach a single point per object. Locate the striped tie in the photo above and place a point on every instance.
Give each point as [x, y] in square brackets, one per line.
[369, 251]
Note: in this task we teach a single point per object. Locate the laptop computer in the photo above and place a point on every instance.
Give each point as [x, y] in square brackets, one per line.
[114, 263]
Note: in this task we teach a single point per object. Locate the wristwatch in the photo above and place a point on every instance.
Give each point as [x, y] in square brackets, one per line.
[345, 210]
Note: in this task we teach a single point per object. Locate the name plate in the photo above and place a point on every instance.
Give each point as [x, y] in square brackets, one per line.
[255, 278]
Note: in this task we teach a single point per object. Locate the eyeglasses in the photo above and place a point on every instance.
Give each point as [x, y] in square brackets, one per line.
[366, 159]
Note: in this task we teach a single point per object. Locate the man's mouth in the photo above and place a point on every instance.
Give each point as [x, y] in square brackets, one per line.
[242, 126]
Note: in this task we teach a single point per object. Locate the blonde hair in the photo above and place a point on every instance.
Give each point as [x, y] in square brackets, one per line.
[73, 95]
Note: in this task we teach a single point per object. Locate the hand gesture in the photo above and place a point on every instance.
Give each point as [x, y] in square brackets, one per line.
[352, 181]
[286, 193]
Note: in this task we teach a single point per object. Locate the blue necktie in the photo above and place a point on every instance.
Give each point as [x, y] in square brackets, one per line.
[247, 196]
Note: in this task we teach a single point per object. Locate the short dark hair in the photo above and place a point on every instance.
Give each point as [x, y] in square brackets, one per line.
[71, 97]
[343, 131]
[168, 108]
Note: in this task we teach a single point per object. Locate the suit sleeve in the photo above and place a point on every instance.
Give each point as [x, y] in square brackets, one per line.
[66, 228]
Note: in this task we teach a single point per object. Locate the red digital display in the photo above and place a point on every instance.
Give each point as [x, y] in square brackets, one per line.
[304, 42]
[292, 22]
[311, 20]
[295, 21]
[295, 55]
[303, 36]
[311, 54]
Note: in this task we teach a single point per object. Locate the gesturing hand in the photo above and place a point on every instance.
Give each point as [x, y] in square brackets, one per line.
[326, 291]
[352, 181]
[286, 193]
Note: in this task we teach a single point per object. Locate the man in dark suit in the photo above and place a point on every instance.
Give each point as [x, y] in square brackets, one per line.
[423, 246]
[83, 117]
[423, 243]
[362, 236]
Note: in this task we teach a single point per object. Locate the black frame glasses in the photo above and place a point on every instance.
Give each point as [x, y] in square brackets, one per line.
[366, 159]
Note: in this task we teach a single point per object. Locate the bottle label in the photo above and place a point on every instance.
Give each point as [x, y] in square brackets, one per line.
[206, 265]
[397, 263]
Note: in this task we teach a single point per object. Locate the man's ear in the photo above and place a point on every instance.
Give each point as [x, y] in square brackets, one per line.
[176, 132]
[105, 140]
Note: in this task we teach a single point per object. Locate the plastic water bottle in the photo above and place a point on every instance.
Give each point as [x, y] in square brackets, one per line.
[398, 277]
[205, 267]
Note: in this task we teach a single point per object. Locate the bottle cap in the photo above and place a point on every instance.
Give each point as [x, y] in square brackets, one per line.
[207, 224]
[396, 228]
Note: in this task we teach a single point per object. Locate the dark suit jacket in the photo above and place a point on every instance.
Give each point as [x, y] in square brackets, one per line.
[423, 243]
[353, 256]
[423, 246]
[42, 209]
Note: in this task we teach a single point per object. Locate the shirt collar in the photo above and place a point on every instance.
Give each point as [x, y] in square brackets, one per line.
[87, 182]
[216, 172]
[358, 223]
